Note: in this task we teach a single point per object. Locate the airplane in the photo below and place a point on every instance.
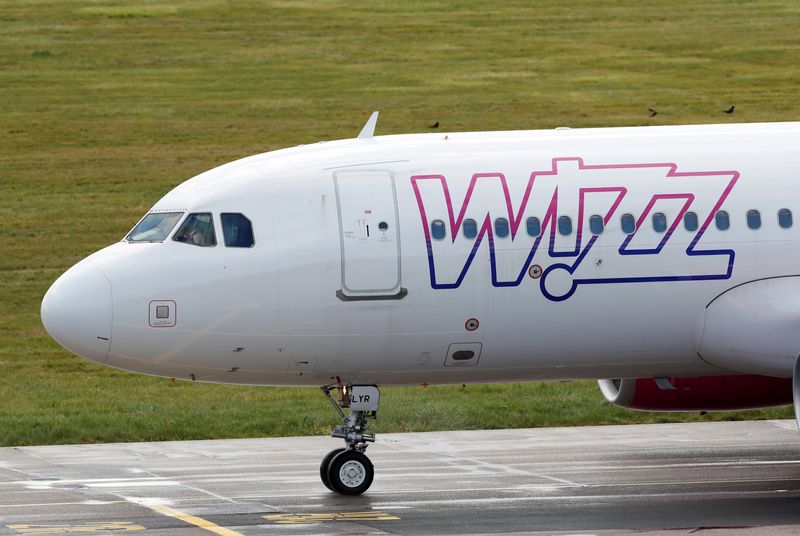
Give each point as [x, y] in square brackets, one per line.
[663, 260]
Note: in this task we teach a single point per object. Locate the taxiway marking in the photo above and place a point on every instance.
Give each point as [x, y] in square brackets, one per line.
[192, 520]
[121, 526]
[294, 519]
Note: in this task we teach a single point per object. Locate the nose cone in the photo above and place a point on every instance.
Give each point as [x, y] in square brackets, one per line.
[77, 309]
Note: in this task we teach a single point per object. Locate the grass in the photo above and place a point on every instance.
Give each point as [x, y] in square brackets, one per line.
[105, 105]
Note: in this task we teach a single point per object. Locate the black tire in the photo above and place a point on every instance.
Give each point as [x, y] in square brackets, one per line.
[350, 473]
[323, 467]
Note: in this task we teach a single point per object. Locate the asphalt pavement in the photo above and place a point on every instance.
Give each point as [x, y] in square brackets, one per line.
[709, 478]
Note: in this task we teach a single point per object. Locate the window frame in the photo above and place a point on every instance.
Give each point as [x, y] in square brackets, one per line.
[727, 218]
[435, 223]
[757, 214]
[186, 219]
[568, 219]
[788, 212]
[593, 218]
[464, 228]
[653, 221]
[622, 223]
[169, 232]
[696, 225]
[224, 236]
[507, 228]
[538, 224]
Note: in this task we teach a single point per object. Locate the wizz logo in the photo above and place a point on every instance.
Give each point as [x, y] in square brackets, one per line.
[600, 191]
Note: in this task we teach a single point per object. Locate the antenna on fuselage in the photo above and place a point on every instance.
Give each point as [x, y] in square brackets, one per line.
[369, 126]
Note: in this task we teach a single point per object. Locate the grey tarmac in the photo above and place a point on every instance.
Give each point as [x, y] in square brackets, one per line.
[708, 478]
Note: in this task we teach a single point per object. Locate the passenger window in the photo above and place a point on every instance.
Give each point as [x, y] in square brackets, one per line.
[501, 227]
[690, 221]
[197, 229]
[438, 229]
[154, 227]
[470, 227]
[722, 220]
[659, 222]
[753, 219]
[533, 226]
[785, 218]
[237, 231]
[628, 223]
[565, 225]
[596, 224]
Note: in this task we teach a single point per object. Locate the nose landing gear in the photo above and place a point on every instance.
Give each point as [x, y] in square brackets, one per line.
[348, 470]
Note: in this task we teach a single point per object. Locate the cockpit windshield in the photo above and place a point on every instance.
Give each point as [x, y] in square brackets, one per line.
[154, 227]
[197, 229]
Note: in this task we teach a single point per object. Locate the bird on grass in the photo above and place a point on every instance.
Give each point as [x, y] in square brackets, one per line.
[435, 125]
[729, 110]
[653, 113]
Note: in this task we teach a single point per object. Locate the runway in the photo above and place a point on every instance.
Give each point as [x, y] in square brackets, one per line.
[709, 478]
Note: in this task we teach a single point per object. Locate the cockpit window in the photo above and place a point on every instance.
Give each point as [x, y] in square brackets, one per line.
[198, 230]
[237, 230]
[154, 227]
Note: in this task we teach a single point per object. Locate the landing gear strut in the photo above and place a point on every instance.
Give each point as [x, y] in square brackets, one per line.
[348, 470]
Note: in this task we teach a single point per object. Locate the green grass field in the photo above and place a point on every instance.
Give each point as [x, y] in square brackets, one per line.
[105, 105]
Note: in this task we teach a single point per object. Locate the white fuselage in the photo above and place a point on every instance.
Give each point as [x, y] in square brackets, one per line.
[350, 276]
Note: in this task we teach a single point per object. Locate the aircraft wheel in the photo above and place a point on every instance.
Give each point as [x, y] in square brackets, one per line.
[350, 472]
[323, 467]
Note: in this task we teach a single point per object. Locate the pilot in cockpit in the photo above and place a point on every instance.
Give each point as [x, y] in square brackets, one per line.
[198, 229]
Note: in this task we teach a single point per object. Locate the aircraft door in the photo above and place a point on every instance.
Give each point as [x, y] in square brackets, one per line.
[369, 234]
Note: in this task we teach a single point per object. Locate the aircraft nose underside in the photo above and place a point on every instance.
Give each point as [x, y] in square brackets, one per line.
[77, 311]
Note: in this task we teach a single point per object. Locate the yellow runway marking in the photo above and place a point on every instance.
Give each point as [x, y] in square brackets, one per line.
[122, 526]
[293, 519]
[193, 520]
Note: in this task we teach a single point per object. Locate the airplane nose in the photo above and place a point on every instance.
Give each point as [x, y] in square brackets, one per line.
[76, 311]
